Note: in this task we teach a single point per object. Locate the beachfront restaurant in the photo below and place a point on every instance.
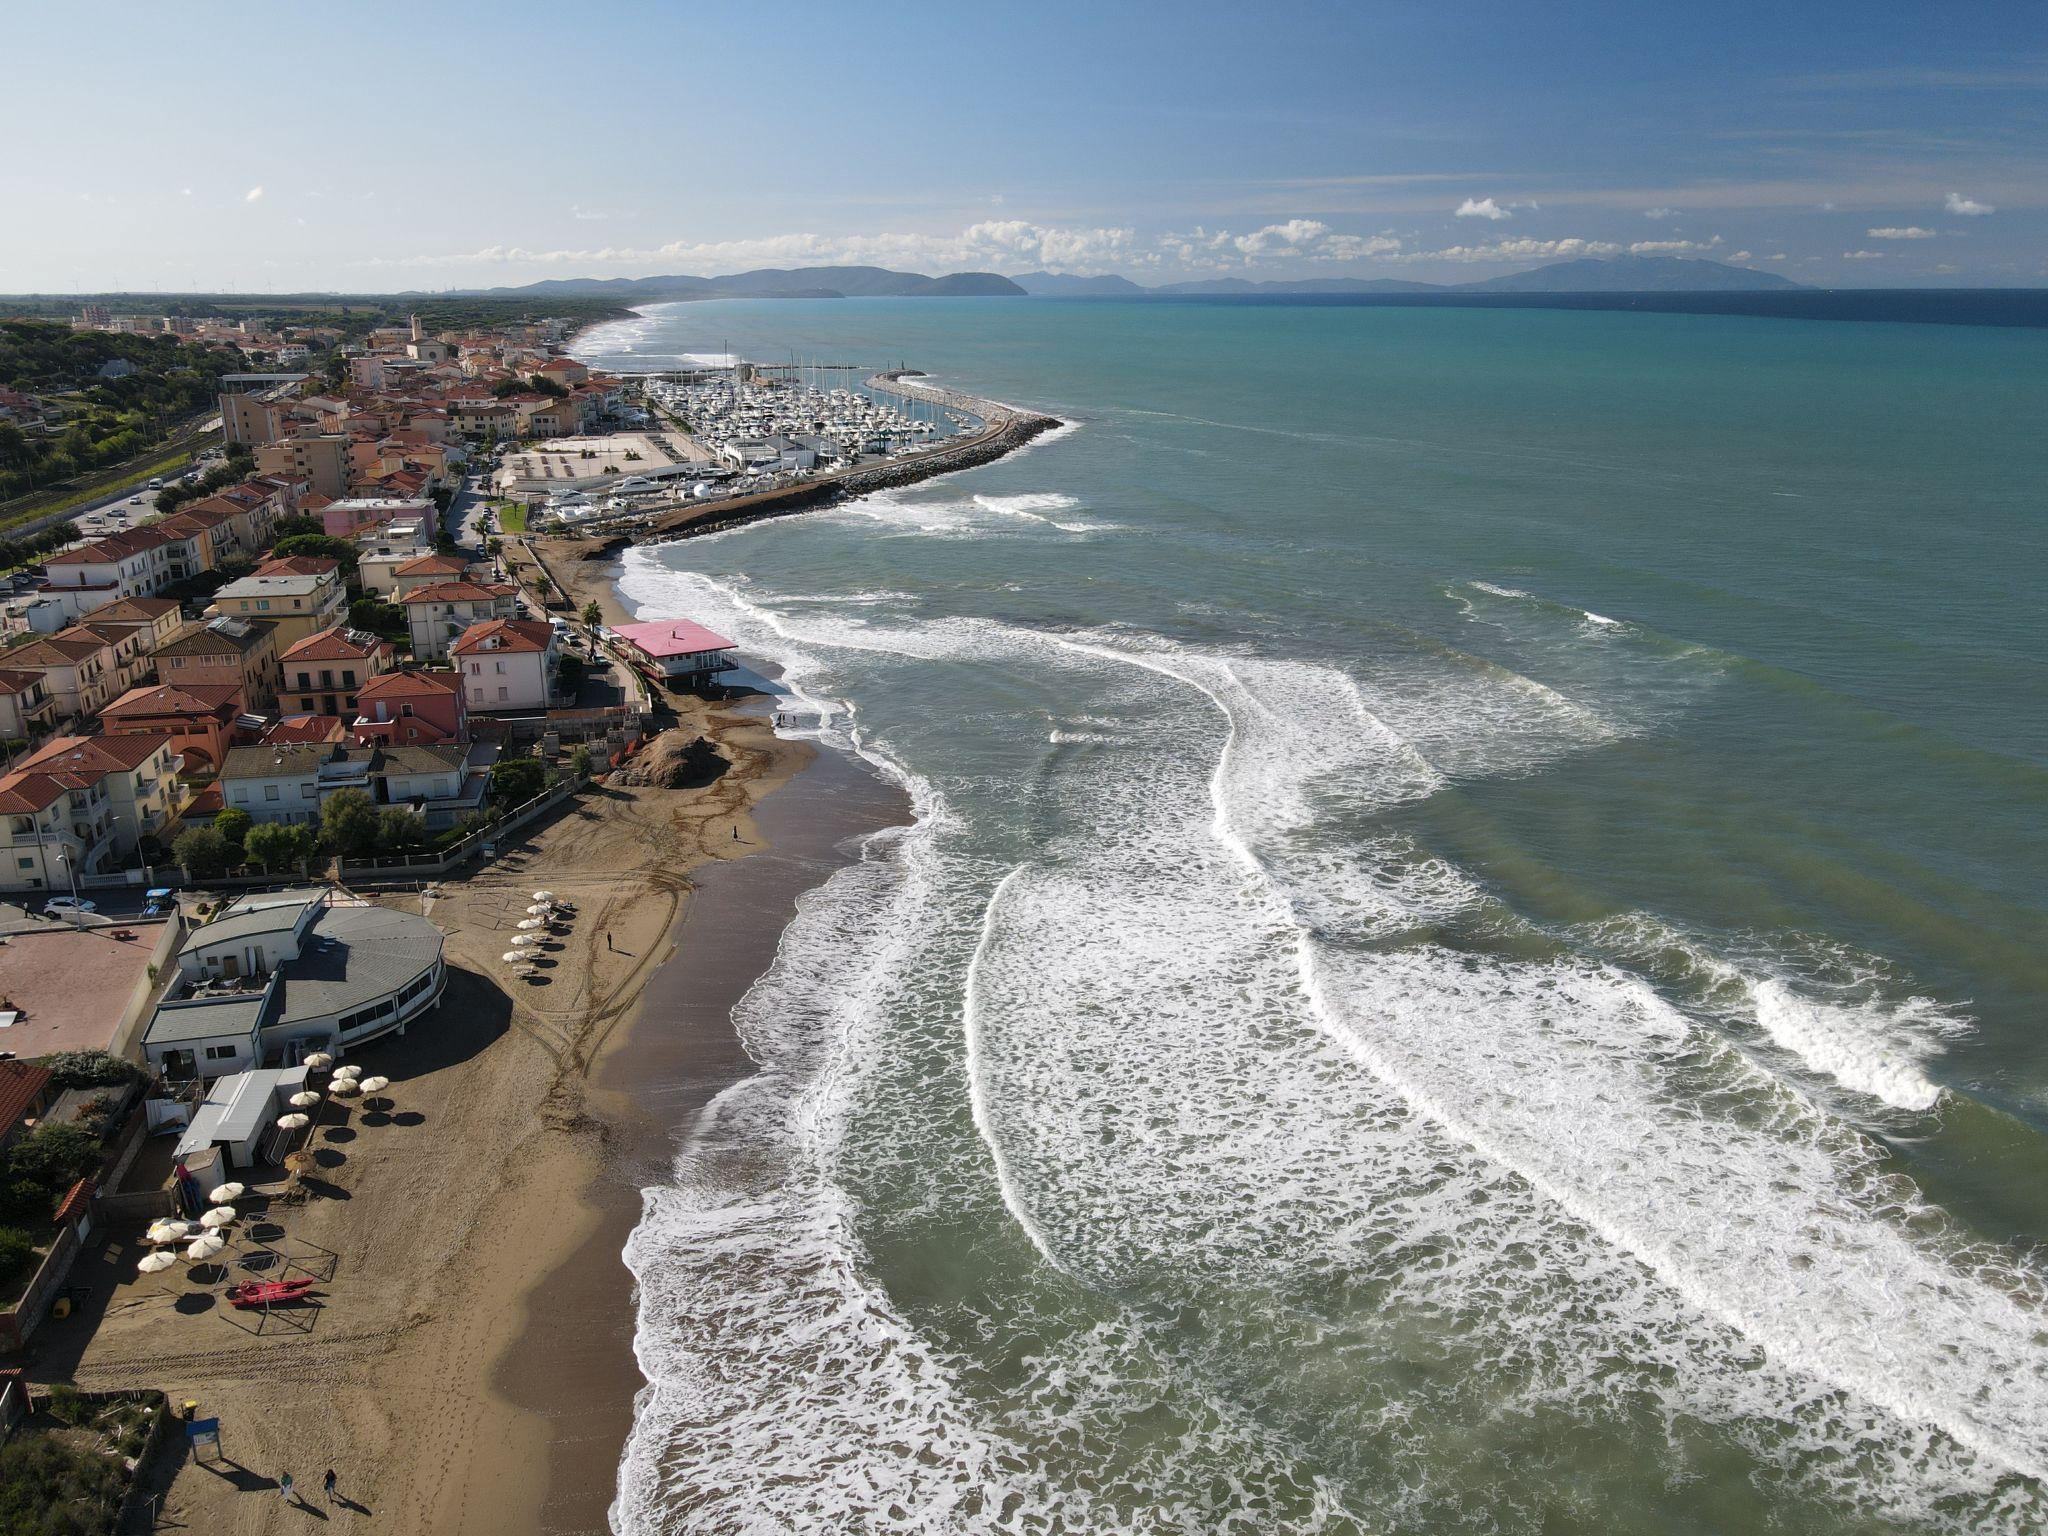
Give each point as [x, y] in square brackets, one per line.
[680, 652]
[280, 975]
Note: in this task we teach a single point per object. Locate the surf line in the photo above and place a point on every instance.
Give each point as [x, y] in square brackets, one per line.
[1889, 1394]
[977, 1093]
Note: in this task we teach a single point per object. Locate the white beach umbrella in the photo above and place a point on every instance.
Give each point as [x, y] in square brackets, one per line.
[543, 895]
[220, 1216]
[319, 1061]
[293, 1122]
[150, 1263]
[206, 1247]
[347, 1087]
[515, 957]
[376, 1084]
[168, 1231]
[540, 909]
[345, 1074]
[304, 1100]
[530, 923]
[227, 1194]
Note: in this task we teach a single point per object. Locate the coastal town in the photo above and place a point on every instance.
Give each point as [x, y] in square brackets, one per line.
[343, 820]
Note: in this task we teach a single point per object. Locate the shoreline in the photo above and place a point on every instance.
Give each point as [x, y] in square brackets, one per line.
[570, 1360]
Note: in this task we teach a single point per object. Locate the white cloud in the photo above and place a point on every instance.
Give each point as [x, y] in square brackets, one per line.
[587, 215]
[253, 195]
[1356, 247]
[1660, 213]
[1671, 247]
[1294, 234]
[1740, 256]
[1863, 255]
[1775, 256]
[1517, 250]
[1966, 208]
[1482, 208]
[1909, 232]
[184, 191]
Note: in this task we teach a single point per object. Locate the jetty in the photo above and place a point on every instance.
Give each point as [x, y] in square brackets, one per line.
[1003, 429]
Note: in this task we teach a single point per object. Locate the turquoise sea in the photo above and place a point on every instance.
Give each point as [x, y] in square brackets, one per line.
[1473, 955]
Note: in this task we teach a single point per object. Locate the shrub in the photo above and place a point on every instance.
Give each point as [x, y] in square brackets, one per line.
[278, 847]
[516, 780]
[579, 762]
[400, 831]
[87, 1069]
[55, 1157]
[17, 1252]
[348, 823]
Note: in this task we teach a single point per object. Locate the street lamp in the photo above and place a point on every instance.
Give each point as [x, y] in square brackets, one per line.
[77, 915]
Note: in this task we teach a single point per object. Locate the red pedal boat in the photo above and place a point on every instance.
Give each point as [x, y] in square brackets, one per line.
[266, 1293]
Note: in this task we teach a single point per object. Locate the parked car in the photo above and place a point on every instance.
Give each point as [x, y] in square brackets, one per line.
[158, 902]
[66, 906]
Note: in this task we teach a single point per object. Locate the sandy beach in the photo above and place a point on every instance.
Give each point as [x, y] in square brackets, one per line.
[472, 1368]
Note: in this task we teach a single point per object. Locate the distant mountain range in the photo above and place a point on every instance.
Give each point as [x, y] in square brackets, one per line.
[1590, 274]
[769, 283]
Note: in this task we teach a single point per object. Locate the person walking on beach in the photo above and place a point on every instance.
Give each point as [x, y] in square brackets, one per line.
[327, 1484]
[284, 1487]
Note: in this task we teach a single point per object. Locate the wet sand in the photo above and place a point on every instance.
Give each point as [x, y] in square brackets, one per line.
[571, 1363]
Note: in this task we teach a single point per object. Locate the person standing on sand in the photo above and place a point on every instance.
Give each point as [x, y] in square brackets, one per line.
[327, 1484]
[284, 1487]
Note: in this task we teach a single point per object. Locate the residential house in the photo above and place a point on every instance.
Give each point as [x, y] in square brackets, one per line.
[139, 773]
[440, 611]
[131, 563]
[299, 605]
[242, 653]
[355, 515]
[199, 718]
[79, 671]
[27, 707]
[565, 371]
[284, 782]
[161, 616]
[318, 458]
[412, 708]
[323, 673]
[507, 664]
[484, 418]
[426, 571]
[188, 543]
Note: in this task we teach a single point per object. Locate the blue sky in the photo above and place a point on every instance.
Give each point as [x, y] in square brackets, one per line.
[374, 146]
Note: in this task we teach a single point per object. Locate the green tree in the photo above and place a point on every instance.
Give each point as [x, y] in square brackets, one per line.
[322, 545]
[278, 847]
[87, 1069]
[516, 780]
[203, 851]
[348, 823]
[593, 615]
[579, 762]
[17, 1248]
[400, 830]
[233, 825]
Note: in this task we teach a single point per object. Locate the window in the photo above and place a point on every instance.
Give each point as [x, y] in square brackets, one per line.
[305, 679]
[348, 677]
[222, 1052]
[270, 791]
[25, 862]
[263, 605]
[241, 794]
[502, 695]
[306, 704]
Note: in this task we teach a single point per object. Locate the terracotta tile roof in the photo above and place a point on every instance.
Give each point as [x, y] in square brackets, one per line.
[133, 610]
[25, 794]
[18, 680]
[337, 644]
[524, 635]
[174, 699]
[298, 565]
[22, 1084]
[459, 592]
[296, 730]
[75, 1202]
[96, 755]
[432, 565]
[124, 545]
[206, 802]
[407, 684]
[52, 651]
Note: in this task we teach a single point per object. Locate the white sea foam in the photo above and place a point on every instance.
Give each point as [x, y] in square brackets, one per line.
[1309, 1195]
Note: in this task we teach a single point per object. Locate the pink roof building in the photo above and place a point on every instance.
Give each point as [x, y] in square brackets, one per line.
[679, 649]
